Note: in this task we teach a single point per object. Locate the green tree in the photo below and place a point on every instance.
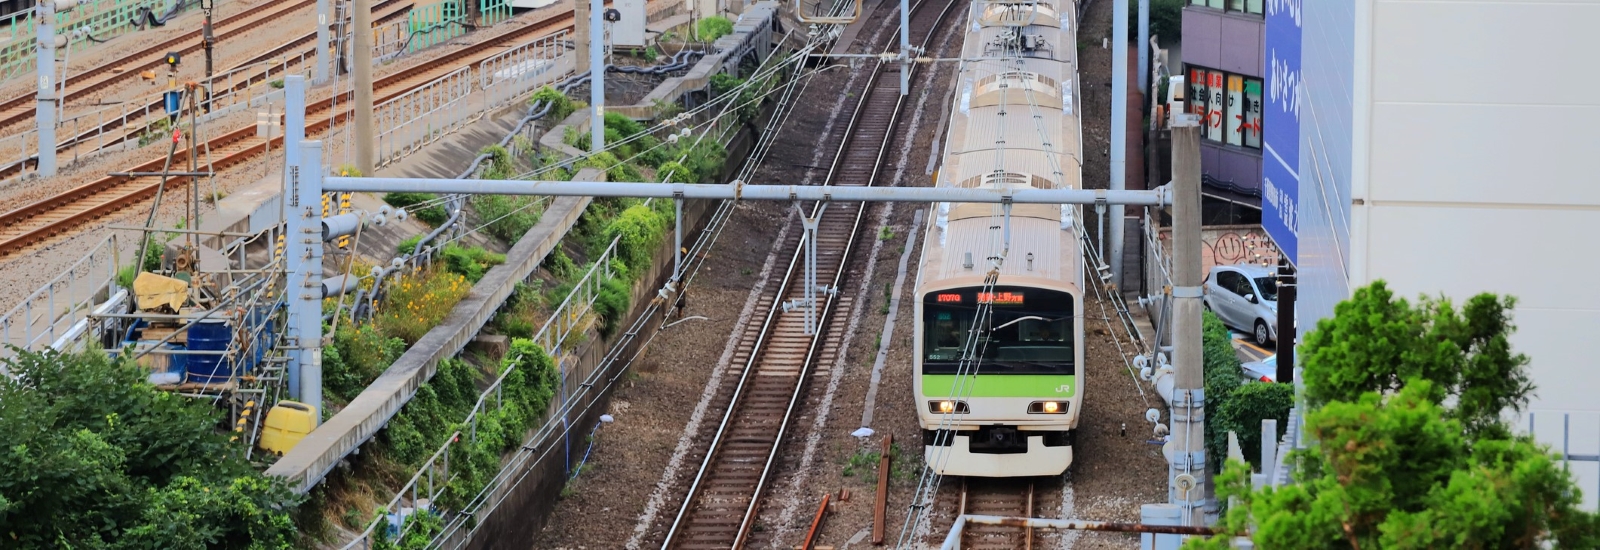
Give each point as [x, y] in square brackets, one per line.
[1376, 343]
[92, 456]
[1409, 450]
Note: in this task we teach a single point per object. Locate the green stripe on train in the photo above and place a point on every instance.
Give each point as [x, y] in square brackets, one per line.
[1000, 385]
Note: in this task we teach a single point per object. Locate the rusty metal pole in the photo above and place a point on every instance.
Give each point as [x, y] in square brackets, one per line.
[880, 505]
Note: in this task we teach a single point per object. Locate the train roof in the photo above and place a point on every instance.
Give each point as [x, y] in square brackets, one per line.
[1013, 123]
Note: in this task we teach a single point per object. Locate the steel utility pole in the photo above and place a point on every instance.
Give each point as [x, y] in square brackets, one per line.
[905, 47]
[1186, 451]
[320, 74]
[1119, 131]
[361, 32]
[296, 255]
[597, 76]
[1144, 47]
[45, 111]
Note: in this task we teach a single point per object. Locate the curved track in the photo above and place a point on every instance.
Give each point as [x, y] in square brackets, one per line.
[39, 222]
[778, 357]
[95, 80]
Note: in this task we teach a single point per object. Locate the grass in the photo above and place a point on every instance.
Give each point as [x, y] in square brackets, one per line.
[863, 462]
[885, 233]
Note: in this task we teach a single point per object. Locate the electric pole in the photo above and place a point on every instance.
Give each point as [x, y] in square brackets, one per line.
[45, 111]
[1144, 47]
[597, 77]
[361, 32]
[1186, 451]
[320, 74]
[1119, 131]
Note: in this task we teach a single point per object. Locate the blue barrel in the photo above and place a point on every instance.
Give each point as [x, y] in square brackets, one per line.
[209, 335]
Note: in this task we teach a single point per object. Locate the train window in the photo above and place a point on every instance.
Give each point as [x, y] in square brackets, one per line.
[1035, 335]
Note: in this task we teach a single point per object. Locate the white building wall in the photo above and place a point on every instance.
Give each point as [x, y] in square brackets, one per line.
[1475, 131]
[1327, 80]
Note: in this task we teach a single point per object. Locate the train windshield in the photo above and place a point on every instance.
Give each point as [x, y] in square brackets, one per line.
[1023, 330]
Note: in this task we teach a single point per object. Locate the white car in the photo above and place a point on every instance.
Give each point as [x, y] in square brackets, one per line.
[1245, 297]
[1265, 370]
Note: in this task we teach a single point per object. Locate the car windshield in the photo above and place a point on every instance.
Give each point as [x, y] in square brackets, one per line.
[1027, 330]
[1269, 288]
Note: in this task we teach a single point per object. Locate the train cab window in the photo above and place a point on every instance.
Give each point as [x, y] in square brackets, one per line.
[1023, 330]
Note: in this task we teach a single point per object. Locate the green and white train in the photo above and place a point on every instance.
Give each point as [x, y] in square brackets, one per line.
[999, 361]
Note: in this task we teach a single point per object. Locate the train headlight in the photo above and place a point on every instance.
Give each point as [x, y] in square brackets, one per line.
[947, 406]
[1048, 407]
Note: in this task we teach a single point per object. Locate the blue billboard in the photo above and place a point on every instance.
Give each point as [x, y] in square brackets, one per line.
[1280, 121]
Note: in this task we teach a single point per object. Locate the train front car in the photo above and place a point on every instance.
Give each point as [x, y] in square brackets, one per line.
[998, 336]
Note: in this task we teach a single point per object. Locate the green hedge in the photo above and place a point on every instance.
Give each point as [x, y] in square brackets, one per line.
[1232, 405]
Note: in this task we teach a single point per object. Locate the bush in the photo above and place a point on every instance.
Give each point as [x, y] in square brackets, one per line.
[612, 304]
[94, 457]
[640, 229]
[409, 245]
[562, 106]
[616, 170]
[470, 263]
[358, 355]
[712, 28]
[509, 217]
[559, 264]
[1222, 376]
[499, 167]
[1244, 410]
[417, 302]
[433, 215]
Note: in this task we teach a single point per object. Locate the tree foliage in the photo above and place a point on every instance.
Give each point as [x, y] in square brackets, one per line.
[1376, 343]
[1416, 456]
[94, 457]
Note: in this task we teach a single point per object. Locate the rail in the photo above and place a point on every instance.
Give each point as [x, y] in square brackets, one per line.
[102, 18]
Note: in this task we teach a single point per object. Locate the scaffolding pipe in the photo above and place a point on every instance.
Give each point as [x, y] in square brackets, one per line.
[740, 191]
[952, 541]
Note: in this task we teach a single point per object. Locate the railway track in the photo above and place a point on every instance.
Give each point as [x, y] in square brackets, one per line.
[777, 356]
[95, 80]
[94, 139]
[39, 222]
[996, 497]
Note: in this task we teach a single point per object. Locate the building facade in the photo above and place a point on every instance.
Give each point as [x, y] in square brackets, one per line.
[1444, 148]
[1222, 65]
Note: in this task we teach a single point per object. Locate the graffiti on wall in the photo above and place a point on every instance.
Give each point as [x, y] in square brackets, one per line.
[1229, 245]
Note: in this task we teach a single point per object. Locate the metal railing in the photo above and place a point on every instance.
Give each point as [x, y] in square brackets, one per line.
[569, 316]
[422, 115]
[438, 108]
[50, 312]
[510, 74]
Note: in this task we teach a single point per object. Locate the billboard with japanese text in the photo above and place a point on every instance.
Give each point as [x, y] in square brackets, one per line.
[1280, 151]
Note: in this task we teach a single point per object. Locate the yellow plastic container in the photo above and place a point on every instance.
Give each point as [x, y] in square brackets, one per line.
[287, 423]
